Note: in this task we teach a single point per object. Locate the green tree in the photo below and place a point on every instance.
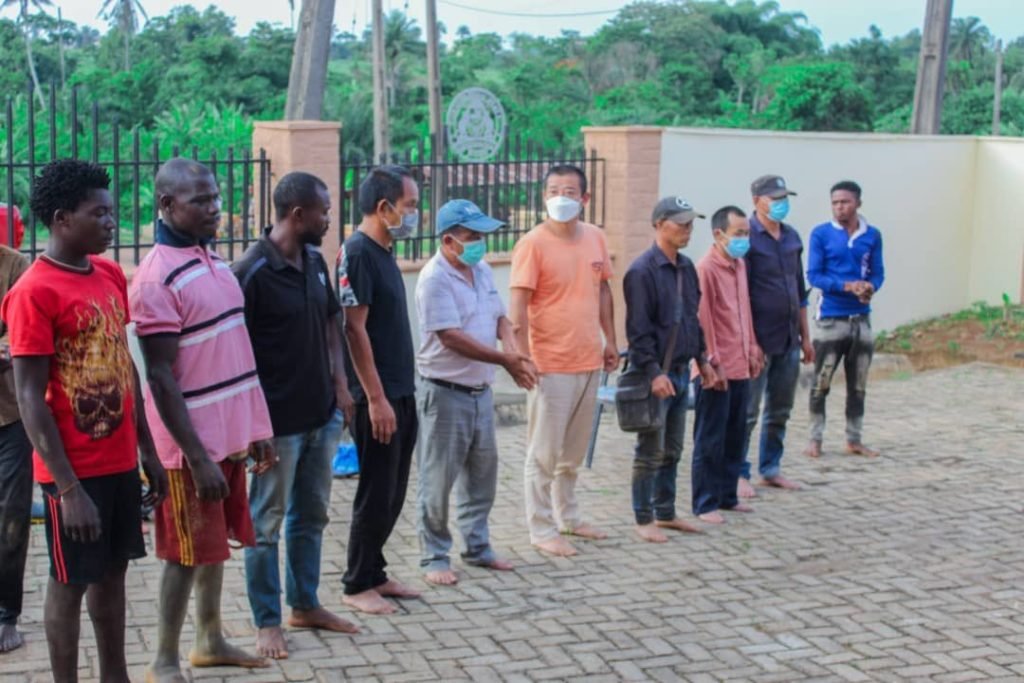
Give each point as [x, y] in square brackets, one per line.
[124, 14]
[821, 96]
[24, 7]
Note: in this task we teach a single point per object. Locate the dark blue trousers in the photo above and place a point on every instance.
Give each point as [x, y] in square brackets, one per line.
[15, 516]
[720, 431]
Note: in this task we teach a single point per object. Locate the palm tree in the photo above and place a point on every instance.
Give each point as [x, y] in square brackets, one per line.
[402, 41]
[23, 11]
[125, 15]
[968, 37]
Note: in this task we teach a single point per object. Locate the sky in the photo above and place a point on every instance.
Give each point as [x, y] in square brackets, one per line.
[837, 20]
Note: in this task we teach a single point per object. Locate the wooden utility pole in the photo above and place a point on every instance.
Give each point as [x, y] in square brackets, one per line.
[308, 77]
[381, 132]
[931, 68]
[997, 100]
[434, 80]
[60, 47]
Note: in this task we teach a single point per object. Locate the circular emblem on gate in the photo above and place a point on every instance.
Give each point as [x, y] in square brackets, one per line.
[476, 125]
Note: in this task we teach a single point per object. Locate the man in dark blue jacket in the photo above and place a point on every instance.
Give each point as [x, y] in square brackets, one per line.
[653, 308]
[778, 302]
[845, 263]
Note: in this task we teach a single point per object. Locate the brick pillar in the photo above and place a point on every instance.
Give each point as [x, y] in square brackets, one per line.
[632, 168]
[310, 146]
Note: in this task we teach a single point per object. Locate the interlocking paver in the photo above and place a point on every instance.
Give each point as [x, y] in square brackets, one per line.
[906, 568]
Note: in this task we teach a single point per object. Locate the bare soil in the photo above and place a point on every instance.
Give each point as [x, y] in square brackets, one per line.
[983, 333]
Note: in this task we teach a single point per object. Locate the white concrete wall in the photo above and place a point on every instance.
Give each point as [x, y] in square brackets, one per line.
[997, 240]
[919, 191]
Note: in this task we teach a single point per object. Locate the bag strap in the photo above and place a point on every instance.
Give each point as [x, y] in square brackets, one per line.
[670, 349]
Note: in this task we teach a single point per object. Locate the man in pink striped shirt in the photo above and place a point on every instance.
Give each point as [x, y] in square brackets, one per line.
[206, 408]
[732, 351]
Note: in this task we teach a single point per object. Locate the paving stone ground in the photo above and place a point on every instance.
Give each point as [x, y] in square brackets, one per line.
[910, 567]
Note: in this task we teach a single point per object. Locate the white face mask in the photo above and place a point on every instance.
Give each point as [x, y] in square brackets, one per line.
[563, 209]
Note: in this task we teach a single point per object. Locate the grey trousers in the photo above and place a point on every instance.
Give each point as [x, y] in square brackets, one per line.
[457, 449]
[850, 342]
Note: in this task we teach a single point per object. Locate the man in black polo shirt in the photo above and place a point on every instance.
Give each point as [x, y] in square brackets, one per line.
[778, 303]
[653, 307]
[294, 321]
[381, 374]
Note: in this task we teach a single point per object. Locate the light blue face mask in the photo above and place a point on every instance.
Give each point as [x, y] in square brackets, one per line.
[737, 247]
[779, 209]
[472, 252]
[410, 221]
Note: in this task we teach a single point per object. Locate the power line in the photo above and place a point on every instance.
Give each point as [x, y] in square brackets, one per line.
[528, 14]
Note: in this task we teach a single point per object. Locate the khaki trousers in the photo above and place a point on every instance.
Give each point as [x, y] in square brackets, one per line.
[560, 415]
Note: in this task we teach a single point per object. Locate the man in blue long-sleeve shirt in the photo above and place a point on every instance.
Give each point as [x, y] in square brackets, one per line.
[845, 263]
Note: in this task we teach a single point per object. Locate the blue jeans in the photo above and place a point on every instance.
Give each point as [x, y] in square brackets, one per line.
[777, 385]
[718, 446]
[297, 492]
[656, 459]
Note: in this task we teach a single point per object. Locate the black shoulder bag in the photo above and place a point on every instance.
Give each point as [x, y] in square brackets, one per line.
[637, 408]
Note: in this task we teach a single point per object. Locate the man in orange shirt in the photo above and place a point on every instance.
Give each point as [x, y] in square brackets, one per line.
[561, 304]
[735, 357]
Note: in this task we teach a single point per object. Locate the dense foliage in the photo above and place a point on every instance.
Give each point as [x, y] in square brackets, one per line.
[677, 62]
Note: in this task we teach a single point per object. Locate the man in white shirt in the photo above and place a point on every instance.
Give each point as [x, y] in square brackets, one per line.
[461, 318]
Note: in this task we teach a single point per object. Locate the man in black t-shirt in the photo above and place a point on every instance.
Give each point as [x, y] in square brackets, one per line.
[294, 322]
[381, 373]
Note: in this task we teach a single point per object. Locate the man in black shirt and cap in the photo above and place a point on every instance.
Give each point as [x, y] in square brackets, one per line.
[655, 304]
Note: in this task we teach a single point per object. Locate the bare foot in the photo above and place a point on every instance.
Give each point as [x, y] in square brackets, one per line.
[321, 619]
[587, 531]
[713, 517]
[442, 577]
[499, 565]
[369, 601]
[651, 533]
[164, 673]
[813, 449]
[224, 654]
[394, 589]
[740, 507]
[780, 482]
[678, 525]
[557, 546]
[10, 639]
[270, 643]
[744, 489]
[861, 449]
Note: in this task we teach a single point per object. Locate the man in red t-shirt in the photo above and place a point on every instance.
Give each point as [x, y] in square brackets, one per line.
[80, 401]
[6, 238]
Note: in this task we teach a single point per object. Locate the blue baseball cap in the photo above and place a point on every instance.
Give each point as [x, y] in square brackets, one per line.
[462, 212]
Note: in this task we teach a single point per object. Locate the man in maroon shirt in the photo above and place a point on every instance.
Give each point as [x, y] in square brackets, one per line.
[733, 353]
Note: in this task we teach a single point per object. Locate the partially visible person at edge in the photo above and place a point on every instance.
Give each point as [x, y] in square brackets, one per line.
[15, 475]
[294, 324]
[561, 306]
[735, 358]
[208, 413]
[845, 263]
[778, 303]
[381, 375]
[653, 308]
[80, 400]
[461, 318]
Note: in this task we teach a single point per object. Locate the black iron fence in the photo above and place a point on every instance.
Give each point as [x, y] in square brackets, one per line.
[132, 156]
[509, 189]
